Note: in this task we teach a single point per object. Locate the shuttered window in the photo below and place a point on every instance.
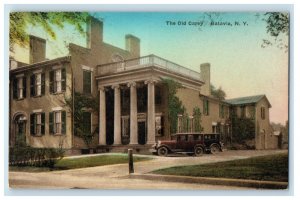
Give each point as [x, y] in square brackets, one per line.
[19, 88]
[57, 80]
[37, 84]
[57, 122]
[37, 124]
[205, 107]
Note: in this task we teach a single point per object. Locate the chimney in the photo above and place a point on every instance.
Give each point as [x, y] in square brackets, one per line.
[37, 49]
[132, 44]
[205, 77]
[94, 32]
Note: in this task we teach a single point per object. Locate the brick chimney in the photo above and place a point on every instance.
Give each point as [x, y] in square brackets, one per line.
[94, 32]
[132, 44]
[37, 49]
[205, 77]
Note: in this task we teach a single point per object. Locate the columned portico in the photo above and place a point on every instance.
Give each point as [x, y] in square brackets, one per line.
[133, 113]
[117, 115]
[102, 117]
[151, 112]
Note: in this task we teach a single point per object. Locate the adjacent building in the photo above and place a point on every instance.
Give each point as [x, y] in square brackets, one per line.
[133, 99]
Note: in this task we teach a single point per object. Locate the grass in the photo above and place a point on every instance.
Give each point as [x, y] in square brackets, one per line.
[74, 163]
[268, 168]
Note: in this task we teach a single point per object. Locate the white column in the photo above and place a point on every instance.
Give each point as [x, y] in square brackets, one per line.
[133, 114]
[117, 115]
[102, 117]
[151, 112]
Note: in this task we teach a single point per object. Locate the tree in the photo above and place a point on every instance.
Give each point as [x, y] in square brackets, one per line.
[218, 93]
[83, 103]
[277, 25]
[20, 21]
[175, 106]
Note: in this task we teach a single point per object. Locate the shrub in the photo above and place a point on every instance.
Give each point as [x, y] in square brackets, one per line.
[38, 157]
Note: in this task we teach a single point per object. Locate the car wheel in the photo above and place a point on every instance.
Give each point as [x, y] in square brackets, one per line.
[214, 149]
[198, 151]
[162, 151]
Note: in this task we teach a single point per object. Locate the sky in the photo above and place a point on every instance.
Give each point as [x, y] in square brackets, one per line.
[238, 62]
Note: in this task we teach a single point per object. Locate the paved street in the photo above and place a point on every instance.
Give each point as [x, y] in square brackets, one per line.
[114, 176]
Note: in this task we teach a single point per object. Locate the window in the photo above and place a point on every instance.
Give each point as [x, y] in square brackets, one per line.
[205, 107]
[57, 80]
[262, 111]
[87, 121]
[87, 82]
[57, 122]
[37, 124]
[221, 111]
[19, 88]
[251, 112]
[243, 111]
[37, 84]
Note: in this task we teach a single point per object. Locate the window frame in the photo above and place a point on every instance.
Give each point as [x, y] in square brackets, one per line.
[206, 107]
[263, 113]
[84, 91]
[53, 82]
[53, 123]
[37, 127]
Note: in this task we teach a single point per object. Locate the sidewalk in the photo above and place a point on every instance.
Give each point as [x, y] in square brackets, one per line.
[214, 181]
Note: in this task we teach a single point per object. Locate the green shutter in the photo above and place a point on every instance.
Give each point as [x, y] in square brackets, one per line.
[63, 122]
[24, 87]
[87, 82]
[207, 107]
[32, 124]
[15, 88]
[32, 85]
[43, 84]
[51, 81]
[63, 79]
[43, 123]
[51, 127]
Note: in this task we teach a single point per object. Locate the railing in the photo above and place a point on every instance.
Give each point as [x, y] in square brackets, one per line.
[144, 62]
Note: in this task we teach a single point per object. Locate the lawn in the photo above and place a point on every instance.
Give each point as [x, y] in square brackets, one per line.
[268, 168]
[74, 163]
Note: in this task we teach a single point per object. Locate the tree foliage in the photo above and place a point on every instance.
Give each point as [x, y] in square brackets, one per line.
[197, 119]
[242, 129]
[82, 104]
[277, 25]
[218, 93]
[175, 106]
[20, 21]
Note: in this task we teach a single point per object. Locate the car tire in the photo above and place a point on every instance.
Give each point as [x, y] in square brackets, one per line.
[162, 151]
[214, 149]
[198, 151]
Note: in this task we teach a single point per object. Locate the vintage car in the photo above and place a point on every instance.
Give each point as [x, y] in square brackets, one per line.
[190, 143]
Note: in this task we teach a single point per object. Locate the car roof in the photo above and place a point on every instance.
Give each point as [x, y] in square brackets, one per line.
[197, 133]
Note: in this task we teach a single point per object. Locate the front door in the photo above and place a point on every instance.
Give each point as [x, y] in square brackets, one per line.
[20, 130]
[142, 132]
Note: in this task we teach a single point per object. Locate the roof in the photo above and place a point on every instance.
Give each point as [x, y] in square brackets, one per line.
[194, 133]
[247, 100]
[39, 64]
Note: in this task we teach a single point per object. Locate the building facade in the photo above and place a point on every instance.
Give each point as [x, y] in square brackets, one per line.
[133, 99]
